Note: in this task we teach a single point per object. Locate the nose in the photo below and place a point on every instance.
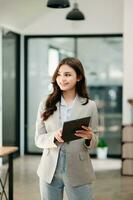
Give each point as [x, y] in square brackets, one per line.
[63, 78]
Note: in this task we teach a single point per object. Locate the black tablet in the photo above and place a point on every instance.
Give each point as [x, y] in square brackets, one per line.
[70, 127]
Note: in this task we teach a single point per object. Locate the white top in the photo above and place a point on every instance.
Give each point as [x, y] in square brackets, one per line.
[65, 110]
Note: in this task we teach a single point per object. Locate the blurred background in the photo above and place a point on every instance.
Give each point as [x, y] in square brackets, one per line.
[34, 37]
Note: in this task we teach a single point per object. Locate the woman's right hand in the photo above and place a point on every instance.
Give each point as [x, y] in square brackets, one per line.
[58, 135]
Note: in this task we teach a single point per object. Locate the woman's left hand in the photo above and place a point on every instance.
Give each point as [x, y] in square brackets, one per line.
[86, 133]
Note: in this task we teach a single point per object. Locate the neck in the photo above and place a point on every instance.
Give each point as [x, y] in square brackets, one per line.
[69, 96]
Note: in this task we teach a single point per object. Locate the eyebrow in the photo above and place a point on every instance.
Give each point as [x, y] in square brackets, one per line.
[64, 72]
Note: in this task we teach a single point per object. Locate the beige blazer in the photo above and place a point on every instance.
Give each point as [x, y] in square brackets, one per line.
[79, 167]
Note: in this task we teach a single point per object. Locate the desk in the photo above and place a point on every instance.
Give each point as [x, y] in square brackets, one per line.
[9, 151]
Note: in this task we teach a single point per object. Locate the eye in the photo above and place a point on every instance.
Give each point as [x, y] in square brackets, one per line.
[58, 74]
[67, 75]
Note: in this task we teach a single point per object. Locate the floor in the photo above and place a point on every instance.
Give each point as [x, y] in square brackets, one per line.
[110, 185]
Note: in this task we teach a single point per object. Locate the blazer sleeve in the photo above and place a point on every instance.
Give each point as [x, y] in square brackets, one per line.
[94, 125]
[43, 139]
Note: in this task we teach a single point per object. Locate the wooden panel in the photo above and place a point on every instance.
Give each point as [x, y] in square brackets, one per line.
[127, 167]
[127, 135]
[127, 150]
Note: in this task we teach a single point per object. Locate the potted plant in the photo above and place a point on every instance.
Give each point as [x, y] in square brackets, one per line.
[102, 149]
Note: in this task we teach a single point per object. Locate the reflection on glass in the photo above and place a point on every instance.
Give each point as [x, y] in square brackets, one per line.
[109, 103]
[53, 60]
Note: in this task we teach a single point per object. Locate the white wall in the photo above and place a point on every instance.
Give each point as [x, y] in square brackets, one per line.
[34, 17]
[0, 87]
[0, 91]
[104, 16]
[128, 62]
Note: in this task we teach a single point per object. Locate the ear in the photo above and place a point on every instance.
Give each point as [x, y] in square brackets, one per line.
[79, 78]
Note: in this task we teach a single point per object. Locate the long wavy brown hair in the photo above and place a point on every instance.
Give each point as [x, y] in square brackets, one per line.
[55, 96]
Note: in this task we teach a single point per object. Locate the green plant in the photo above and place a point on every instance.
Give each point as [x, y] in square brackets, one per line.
[101, 143]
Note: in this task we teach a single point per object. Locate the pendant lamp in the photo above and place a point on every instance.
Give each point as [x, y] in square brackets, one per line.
[58, 3]
[75, 13]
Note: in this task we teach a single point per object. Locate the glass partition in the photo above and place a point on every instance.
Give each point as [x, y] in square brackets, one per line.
[11, 88]
[43, 56]
[102, 58]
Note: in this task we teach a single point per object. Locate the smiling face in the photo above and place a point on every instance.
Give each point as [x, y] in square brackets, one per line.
[66, 78]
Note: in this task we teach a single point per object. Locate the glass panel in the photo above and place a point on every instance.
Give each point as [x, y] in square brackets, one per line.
[40, 51]
[102, 59]
[53, 60]
[10, 87]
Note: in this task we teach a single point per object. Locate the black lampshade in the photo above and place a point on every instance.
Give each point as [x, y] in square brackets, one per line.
[75, 14]
[58, 3]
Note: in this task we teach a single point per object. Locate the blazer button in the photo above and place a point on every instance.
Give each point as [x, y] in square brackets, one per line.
[81, 156]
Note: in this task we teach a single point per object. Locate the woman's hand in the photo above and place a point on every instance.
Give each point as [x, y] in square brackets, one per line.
[85, 133]
[58, 135]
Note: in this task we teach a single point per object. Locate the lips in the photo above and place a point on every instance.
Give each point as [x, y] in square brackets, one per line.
[63, 84]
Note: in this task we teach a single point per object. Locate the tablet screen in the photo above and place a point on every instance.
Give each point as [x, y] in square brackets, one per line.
[70, 127]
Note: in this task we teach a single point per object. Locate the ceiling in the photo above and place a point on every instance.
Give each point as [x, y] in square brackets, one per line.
[33, 17]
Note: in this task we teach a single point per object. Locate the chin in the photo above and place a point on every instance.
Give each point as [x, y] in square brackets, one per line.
[64, 88]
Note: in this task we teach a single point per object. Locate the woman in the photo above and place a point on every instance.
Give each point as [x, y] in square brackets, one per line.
[66, 165]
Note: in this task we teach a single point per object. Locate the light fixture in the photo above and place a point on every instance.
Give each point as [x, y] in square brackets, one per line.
[75, 13]
[58, 3]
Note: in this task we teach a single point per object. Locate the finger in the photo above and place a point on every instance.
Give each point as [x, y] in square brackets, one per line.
[57, 136]
[60, 139]
[83, 132]
[84, 136]
[86, 128]
[80, 135]
[60, 133]
[79, 131]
